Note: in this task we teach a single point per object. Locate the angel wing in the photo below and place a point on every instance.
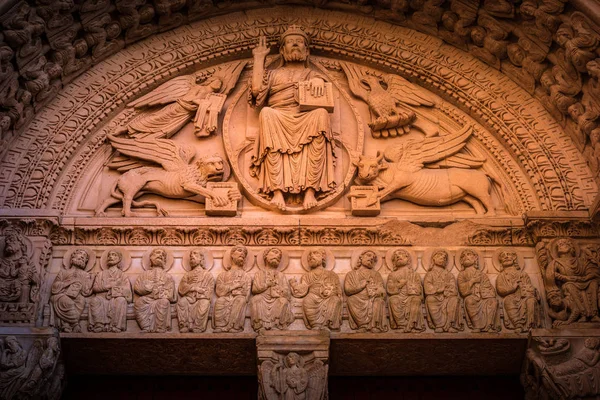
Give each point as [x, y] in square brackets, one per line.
[165, 152]
[166, 93]
[229, 74]
[412, 155]
[317, 381]
[270, 388]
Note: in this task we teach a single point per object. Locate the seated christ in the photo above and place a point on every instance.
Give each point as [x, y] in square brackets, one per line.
[294, 150]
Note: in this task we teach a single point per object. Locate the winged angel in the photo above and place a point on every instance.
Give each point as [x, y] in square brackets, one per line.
[393, 101]
[197, 96]
[293, 377]
[429, 171]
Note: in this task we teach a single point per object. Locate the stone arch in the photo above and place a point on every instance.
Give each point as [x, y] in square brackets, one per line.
[57, 144]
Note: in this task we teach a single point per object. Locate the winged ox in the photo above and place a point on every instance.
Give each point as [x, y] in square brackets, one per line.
[429, 172]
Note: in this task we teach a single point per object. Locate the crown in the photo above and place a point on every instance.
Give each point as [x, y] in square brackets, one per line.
[294, 30]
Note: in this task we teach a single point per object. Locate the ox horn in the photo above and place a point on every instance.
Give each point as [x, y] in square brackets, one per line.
[379, 156]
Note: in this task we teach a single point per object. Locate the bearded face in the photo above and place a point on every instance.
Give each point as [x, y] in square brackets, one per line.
[13, 246]
[294, 49]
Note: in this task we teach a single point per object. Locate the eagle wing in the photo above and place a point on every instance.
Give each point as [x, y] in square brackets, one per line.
[166, 93]
[405, 92]
[355, 75]
[165, 152]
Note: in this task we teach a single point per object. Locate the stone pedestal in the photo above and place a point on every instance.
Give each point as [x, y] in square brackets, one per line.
[292, 361]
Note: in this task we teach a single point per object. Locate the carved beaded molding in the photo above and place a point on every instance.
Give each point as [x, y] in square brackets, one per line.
[44, 152]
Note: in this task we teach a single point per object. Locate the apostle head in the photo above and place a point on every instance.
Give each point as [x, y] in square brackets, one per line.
[508, 259]
[439, 258]
[14, 244]
[79, 259]
[565, 248]
[468, 258]
[317, 258]
[196, 259]
[158, 258]
[114, 258]
[238, 256]
[367, 259]
[400, 258]
[273, 257]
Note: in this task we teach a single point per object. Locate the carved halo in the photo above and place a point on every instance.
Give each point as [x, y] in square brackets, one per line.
[389, 254]
[573, 242]
[146, 259]
[248, 264]
[480, 264]
[427, 264]
[125, 260]
[28, 243]
[497, 264]
[91, 257]
[356, 253]
[208, 259]
[285, 259]
[329, 257]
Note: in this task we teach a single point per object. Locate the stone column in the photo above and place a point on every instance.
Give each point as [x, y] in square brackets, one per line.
[293, 364]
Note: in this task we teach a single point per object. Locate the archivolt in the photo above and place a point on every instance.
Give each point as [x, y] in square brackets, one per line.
[75, 123]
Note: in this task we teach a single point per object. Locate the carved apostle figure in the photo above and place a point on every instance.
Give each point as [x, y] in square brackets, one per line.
[19, 278]
[577, 282]
[441, 296]
[69, 290]
[270, 306]
[365, 293]
[322, 293]
[476, 289]
[405, 292]
[521, 299]
[156, 291]
[294, 150]
[108, 309]
[233, 291]
[195, 291]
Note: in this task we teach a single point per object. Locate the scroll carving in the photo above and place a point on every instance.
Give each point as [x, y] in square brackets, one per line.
[71, 287]
[112, 289]
[320, 289]
[156, 291]
[195, 293]
[270, 306]
[405, 293]
[233, 291]
[444, 308]
[366, 295]
[481, 304]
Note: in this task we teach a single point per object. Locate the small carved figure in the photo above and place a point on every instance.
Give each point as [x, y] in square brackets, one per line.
[575, 378]
[521, 299]
[19, 278]
[195, 291]
[270, 306]
[108, 309]
[156, 291]
[573, 283]
[69, 290]
[184, 98]
[294, 152]
[233, 291]
[365, 293]
[476, 289]
[447, 178]
[293, 378]
[393, 101]
[177, 177]
[42, 370]
[13, 367]
[441, 301]
[405, 292]
[322, 293]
